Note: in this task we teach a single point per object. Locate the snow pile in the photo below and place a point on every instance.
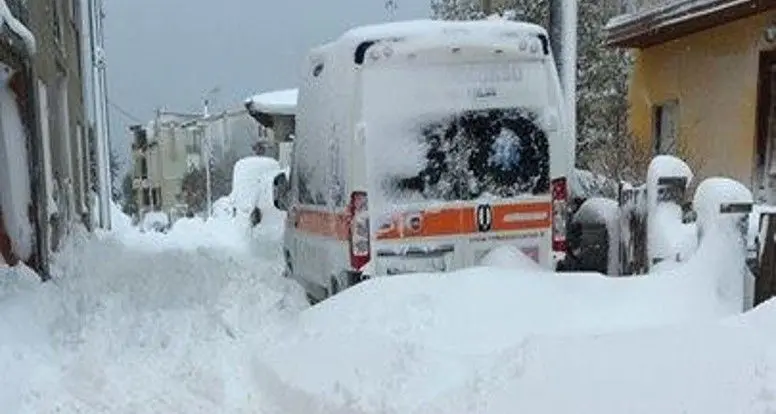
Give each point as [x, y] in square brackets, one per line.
[669, 238]
[252, 183]
[441, 342]
[509, 257]
[585, 184]
[15, 195]
[155, 221]
[282, 102]
[119, 221]
[125, 329]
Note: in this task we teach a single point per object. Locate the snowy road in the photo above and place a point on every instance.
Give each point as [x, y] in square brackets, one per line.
[142, 324]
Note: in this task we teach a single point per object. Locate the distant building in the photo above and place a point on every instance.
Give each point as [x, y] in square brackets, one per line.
[174, 143]
[276, 114]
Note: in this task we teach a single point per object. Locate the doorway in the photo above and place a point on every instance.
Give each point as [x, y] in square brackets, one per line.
[764, 182]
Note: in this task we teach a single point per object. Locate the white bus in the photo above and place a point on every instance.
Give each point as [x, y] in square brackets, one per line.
[422, 145]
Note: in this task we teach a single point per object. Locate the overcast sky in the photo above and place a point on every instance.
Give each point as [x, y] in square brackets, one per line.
[169, 53]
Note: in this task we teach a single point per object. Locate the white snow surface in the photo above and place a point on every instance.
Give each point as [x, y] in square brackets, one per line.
[282, 102]
[15, 193]
[199, 320]
[669, 238]
[491, 339]
[124, 327]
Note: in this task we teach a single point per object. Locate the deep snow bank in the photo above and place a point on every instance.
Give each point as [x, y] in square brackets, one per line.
[132, 329]
[464, 341]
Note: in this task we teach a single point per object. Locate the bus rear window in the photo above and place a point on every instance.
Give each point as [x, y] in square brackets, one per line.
[500, 152]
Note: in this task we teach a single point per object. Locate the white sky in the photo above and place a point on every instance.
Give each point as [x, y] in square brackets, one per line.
[169, 53]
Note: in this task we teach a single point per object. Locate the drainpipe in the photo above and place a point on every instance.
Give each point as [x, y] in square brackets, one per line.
[98, 107]
[37, 174]
[556, 32]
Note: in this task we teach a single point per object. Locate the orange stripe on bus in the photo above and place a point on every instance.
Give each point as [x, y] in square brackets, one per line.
[460, 221]
[321, 223]
[435, 223]
[526, 216]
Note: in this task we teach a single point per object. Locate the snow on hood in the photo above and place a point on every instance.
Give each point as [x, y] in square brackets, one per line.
[281, 102]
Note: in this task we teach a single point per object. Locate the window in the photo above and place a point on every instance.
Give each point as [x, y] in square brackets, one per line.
[665, 121]
[143, 168]
[146, 196]
[503, 152]
[158, 198]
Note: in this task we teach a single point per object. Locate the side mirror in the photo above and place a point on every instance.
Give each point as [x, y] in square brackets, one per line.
[280, 189]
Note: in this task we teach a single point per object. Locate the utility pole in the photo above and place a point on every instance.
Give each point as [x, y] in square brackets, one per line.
[390, 7]
[568, 75]
[99, 108]
[207, 151]
[556, 32]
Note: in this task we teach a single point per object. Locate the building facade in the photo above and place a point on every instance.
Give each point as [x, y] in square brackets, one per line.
[703, 81]
[43, 56]
[61, 127]
[275, 113]
[175, 144]
[19, 224]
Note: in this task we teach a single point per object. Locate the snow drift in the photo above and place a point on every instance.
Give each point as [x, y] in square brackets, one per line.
[490, 339]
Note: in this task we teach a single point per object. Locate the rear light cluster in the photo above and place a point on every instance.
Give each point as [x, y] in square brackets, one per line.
[559, 212]
[359, 230]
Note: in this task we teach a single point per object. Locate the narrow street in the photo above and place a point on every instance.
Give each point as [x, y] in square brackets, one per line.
[174, 321]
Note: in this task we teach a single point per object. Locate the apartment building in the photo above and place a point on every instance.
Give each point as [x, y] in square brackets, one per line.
[173, 144]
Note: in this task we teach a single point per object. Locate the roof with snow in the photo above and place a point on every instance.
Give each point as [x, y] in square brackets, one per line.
[664, 20]
[429, 27]
[281, 102]
[9, 21]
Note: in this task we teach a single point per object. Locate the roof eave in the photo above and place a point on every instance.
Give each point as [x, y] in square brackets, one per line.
[660, 26]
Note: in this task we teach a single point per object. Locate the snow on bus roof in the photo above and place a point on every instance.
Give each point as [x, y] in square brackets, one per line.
[428, 27]
[282, 102]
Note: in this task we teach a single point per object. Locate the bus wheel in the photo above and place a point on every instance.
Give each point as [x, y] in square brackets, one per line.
[311, 300]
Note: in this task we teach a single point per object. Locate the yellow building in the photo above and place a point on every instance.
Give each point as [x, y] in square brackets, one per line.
[703, 80]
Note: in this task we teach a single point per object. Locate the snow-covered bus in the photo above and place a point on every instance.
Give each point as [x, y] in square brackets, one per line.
[421, 146]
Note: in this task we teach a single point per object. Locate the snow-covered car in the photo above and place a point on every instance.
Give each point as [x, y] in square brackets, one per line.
[155, 221]
[252, 190]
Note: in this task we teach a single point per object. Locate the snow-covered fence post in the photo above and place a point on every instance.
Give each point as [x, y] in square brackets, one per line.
[765, 284]
[667, 180]
[632, 245]
[723, 206]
